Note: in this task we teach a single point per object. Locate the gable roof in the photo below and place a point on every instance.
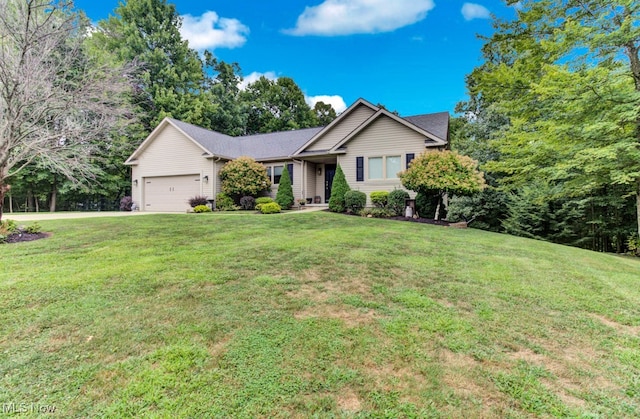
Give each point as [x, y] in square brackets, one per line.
[285, 144]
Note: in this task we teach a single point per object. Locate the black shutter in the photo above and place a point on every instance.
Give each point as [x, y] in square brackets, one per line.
[290, 170]
[359, 169]
[410, 157]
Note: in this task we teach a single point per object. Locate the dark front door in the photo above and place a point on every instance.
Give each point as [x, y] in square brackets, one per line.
[329, 173]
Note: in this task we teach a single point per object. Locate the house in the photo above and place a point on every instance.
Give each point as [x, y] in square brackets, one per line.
[372, 145]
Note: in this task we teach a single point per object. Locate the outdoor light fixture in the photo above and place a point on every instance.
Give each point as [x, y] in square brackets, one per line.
[206, 179]
[320, 171]
[135, 182]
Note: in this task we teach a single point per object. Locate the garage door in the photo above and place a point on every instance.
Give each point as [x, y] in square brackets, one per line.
[170, 193]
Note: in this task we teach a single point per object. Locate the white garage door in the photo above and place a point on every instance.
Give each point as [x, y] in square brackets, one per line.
[170, 193]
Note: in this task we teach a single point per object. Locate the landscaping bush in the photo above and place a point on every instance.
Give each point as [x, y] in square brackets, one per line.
[396, 201]
[284, 196]
[339, 187]
[198, 200]
[270, 208]
[354, 201]
[126, 203]
[426, 204]
[244, 176]
[376, 213]
[225, 203]
[379, 198]
[247, 202]
[34, 228]
[8, 227]
[263, 200]
[201, 208]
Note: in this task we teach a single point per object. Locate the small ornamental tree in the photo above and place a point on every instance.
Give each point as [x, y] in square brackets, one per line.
[339, 187]
[443, 172]
[244, 176]
[284, 196]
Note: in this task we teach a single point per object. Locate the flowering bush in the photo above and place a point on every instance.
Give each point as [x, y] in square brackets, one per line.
[244, 176]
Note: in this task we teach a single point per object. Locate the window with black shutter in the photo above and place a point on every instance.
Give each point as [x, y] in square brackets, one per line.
[359, 169]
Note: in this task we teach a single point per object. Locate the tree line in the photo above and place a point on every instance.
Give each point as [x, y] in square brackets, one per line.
[553, 115]
[139, 60]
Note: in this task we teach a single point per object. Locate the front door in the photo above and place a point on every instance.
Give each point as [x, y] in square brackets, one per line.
[329, 173]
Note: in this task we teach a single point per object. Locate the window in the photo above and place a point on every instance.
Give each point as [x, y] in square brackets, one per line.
[277, 173]
[375, 168]
[410, 157]
[386, 167]
[392, 166]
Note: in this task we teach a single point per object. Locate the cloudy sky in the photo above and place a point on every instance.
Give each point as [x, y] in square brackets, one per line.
[410, 55]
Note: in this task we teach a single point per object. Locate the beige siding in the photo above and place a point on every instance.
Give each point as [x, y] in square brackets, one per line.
[383, 137]
[311, 179]
[297, 179]
[338, 132]
[171, 154]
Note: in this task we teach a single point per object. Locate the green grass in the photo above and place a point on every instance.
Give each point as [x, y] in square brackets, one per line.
[314, 315]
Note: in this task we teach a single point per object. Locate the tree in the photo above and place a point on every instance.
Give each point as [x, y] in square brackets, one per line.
[276, 106]
[168, 78]
[443, 172]
[339, 188]
[284, 196]
[567, 77]
[230, 115]
[324, 112]
[57, 101]
[244, 176]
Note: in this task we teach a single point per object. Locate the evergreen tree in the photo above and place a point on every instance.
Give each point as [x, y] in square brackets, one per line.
[339, 188]
[284, 196]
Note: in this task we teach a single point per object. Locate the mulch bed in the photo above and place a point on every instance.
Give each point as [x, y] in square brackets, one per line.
[25, 237]
[423, 221]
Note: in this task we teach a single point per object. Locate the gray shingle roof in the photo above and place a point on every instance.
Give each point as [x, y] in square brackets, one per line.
[285, 143]
[434, 123]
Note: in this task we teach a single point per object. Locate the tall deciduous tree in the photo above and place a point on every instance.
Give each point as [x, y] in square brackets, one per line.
[56, 101]
[443, 172]
[567, 75]
[277, 106]
[169, 78]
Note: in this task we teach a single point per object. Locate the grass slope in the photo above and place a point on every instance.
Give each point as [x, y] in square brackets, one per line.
[314, 314]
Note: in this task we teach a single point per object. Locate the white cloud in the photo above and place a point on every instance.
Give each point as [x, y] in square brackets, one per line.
[210, 31]
[346, 17]
[336, 101]
[472, 11]
[255, 76]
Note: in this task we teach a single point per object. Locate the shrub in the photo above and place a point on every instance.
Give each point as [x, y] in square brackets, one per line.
[126, 203]
[379, 198]
[426, 204]
[261, 201]
[284, 196]
[224, 203]
[354, 201]
[244, 176]
[396, 201]
[376, 213]
[34, 228]
[339, 187]
[201, 208]
[198, 200]
[3, 238]
[270, 208]
[633, 244]
[247, 202]
[8, 227]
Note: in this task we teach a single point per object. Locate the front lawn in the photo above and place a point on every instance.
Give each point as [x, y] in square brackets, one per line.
[314, 314]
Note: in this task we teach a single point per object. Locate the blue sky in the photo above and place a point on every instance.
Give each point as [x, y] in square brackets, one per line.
[410, 55]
